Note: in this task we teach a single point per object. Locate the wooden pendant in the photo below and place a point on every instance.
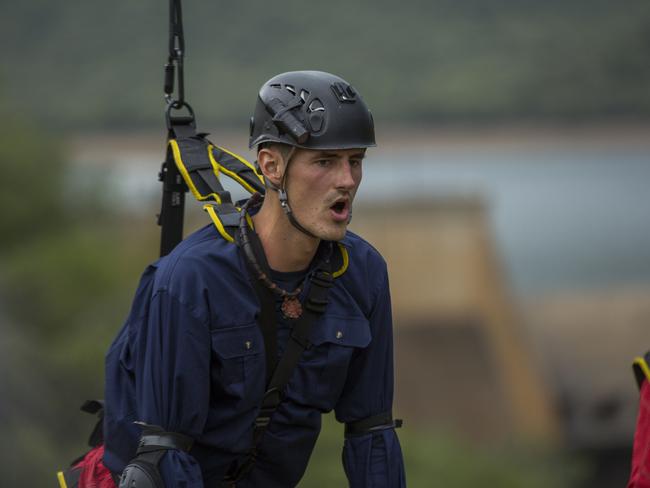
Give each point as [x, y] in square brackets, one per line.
[291, 307]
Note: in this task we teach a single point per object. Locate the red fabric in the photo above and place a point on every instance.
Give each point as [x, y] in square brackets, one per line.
[640, 476]
[93, 472]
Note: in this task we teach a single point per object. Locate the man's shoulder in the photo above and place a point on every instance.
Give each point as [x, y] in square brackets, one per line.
[365, 274]
[202, 244]
[361, 252]
[197, 258]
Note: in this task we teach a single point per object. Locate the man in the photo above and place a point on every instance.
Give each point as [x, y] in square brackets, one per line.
[193, 360]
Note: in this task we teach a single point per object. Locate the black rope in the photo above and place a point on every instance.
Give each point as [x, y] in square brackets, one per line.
[246, 246]
[174, 66]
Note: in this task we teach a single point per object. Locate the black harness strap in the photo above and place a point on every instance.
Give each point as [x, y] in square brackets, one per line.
[642, 369]
[315, 303]
[188, 165]
[195, 159]
[199, 174]
[266, 320]
[320, 281]
[163, 441]
[377, 422]
[143, 470]
[196, 171]
[239, 169]
[172, 210]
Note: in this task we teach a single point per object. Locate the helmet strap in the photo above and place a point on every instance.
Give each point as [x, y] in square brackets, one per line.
[284, 203]
[284, 198]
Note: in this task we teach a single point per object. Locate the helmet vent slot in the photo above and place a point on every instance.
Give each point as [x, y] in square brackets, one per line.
[316, 106]
[290, 89]
[344, 92]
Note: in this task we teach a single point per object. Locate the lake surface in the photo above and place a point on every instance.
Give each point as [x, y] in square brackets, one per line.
[563, 216]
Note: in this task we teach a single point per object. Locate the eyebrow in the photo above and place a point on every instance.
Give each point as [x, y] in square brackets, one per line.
[359, 155]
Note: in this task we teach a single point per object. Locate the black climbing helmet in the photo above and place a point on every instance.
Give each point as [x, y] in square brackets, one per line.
[311, 110]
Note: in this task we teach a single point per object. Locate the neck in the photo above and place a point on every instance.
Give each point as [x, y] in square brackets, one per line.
[286, 248]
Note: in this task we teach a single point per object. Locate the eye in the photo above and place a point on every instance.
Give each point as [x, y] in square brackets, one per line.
[355, 163]
[324, 163]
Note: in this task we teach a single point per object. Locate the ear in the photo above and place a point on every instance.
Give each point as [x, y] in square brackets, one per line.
[271, 165]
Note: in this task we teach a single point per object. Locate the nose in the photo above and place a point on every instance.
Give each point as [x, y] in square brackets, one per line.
[346, 176]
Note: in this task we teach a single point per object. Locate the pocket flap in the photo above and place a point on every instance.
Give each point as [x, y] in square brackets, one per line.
[237, 341]
[345, 331]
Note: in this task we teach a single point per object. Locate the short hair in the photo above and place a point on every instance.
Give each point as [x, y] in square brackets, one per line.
[283, 149]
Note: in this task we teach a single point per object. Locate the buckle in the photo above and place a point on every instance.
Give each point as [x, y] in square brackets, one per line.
[316, 305]
[271, 400]
[322, 279]
[262, 421]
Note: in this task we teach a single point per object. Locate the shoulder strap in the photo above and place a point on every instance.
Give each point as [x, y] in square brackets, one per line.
[172, 209]
[641, 367]
[314, 306]
[225, 218]
[237, 168]
[316, 301]
[266, 319]
[193, 163]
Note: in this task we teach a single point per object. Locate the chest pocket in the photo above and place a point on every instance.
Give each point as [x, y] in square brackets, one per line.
[323, 369]
[238, 363]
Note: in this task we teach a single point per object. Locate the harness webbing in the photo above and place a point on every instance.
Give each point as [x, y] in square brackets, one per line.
[172, 210]
[193, 163]
[377, 422]
[641, 369]
[279, 371]
[153, 445]
[266, 320]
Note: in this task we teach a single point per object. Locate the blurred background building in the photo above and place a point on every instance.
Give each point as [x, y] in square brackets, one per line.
[508, 195]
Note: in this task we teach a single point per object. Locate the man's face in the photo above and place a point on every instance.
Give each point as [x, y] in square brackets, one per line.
[321, 186]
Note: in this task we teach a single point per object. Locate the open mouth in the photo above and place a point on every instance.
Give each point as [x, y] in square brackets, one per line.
[338, 207]
[340, 211]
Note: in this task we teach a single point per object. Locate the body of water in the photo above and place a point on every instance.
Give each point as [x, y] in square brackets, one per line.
[570, 217]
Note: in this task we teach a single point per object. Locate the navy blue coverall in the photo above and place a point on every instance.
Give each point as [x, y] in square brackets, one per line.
[190, 358]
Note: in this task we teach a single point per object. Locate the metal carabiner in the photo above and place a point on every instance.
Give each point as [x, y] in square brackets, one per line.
[178, 105]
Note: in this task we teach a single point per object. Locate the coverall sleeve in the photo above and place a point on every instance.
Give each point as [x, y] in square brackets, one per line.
[172, 380]
[373, 459]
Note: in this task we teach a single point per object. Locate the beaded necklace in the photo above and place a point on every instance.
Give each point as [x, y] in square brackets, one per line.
[291, 307]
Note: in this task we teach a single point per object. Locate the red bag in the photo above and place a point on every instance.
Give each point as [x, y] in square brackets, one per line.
[640, 476]
[90, 472]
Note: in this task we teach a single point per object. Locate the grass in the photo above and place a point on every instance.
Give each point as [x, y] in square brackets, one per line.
[437, 459]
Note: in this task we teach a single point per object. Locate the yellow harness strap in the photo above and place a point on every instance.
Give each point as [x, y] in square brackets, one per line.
[641, 369]
[341, 259]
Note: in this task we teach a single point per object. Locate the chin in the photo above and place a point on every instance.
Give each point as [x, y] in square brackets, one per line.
[333, 234]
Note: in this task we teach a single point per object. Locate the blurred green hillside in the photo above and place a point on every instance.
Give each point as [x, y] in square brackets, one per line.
[89, 65]
[68, 268]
